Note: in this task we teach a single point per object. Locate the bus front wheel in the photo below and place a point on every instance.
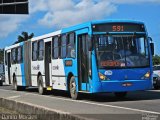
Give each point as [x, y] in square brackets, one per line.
[72, 88]
[41, 89]
[120, 94]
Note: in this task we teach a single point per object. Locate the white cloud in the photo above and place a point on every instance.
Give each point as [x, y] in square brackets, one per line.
[65, 13]
[37, 6]
[10, 23]
[133, 1]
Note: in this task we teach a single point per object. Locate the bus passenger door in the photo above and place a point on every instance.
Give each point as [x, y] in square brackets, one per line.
[47, 62]
[83, 62]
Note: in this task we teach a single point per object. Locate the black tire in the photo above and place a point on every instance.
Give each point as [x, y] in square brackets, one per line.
[72, 89]
[1, 83]
[120, 94]
[156, 87]
[16, 87]
[41, 89]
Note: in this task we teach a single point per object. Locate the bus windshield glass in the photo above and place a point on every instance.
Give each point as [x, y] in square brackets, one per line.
[121, 51]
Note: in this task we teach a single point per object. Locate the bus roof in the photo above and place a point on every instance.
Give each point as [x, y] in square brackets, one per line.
[75, 27]
[35, 38]
[46, 35]
[13, 46]
[88, 24]
[116, 20]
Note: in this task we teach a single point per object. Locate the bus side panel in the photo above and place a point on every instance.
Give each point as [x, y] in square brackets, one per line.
[27, 63]
[55, 78]
[71, 68]
[7, 66]
[62, 74]
[6, 75]
[19, 74]
[35, 67]
[23, 75]
[58, 75]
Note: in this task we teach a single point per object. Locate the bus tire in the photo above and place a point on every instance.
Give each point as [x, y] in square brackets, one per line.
[1, 83]
[72, 89]
[16, 87]
[41, 89]
[120, 94]
[156, 87]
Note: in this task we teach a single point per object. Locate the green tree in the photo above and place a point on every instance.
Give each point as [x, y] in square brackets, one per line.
[24, 37]
[156, 60]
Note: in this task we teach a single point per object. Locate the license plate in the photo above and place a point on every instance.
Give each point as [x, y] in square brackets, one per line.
[127, 84]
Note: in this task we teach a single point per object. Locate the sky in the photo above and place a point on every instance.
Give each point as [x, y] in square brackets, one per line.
[47, 16]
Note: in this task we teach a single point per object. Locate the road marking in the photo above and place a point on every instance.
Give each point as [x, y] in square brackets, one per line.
[91, 103]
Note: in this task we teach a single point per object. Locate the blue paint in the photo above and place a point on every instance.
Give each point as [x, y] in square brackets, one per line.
[22, 67]
[23, 75]
[118, 77]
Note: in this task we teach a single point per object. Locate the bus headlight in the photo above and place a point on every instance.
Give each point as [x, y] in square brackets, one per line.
[102, 77]
[146, 76]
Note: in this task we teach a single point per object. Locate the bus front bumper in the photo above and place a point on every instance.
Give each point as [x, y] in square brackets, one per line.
[123, 86]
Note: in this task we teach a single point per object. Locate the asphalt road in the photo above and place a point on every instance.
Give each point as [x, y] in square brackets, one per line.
[140, 105]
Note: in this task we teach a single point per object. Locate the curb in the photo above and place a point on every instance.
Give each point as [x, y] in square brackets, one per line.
[39, 112]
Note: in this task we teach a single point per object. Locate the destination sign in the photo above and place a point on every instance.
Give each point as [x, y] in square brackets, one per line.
[118, 27]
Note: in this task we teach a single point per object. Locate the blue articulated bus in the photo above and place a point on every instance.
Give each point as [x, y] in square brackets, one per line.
[93, 57]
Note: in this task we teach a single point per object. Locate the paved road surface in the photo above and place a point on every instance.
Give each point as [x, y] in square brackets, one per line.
[136, 106]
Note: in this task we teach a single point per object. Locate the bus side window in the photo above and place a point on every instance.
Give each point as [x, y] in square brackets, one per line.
[19, 54]
[34, 51]
[55, 48]
[13, 56]
[71, 46]
[63, 46]
[40, 50]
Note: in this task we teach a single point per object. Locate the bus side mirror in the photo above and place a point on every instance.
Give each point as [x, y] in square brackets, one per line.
[151, 45]
[152, 48]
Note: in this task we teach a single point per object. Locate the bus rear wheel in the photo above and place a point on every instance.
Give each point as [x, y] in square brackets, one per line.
[1, 83]
[72, 89]
[16, 87]
[41, 89]
[120, 94]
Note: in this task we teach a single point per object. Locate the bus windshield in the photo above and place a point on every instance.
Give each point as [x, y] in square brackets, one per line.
[121, 51]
